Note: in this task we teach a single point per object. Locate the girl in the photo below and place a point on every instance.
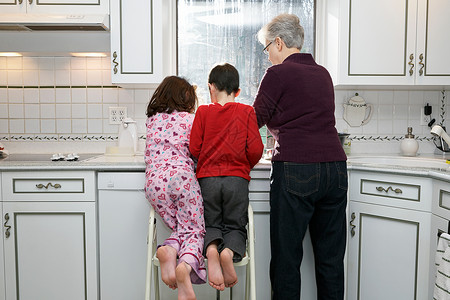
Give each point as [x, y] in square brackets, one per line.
[171, 186]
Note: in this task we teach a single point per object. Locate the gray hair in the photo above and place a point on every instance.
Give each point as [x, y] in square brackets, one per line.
[285, 26]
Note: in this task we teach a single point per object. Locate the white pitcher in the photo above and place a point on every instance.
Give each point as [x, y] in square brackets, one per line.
[355, 111]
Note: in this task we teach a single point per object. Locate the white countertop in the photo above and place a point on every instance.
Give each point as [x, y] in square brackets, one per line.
[422, 165]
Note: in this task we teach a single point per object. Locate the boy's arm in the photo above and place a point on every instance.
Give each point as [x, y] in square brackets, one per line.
[255, 146]
[195, 142]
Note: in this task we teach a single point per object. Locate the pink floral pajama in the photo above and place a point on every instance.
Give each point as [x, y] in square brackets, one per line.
[172, 187]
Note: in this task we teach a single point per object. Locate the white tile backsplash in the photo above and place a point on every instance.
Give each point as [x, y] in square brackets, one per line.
[47, 95]
[32, 111]
[15, 77]
[74, 105]
[31, 95]
[15, 95]
[48, 111]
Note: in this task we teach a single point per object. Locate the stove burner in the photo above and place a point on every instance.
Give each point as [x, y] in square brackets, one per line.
[47, 157]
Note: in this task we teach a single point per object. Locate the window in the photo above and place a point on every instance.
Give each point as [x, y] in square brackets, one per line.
[218, 31]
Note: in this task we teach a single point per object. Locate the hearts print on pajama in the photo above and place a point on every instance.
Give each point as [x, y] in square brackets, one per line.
[172, 187]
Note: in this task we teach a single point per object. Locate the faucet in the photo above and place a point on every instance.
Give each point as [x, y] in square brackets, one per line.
[438, 131]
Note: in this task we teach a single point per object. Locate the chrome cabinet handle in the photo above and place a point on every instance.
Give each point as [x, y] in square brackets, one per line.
[115, 62]
[352, 230]
[41, 186]
[422, 65]
[8, 228]
[411, 57]
[382, 189]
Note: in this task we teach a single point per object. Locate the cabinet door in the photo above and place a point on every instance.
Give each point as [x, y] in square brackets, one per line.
[51, 251]
[123, 228]
[2, 266]
[377, 41]
[142, 41]
[388, 254]
[433, 51]
[55, 6]
[13, 6]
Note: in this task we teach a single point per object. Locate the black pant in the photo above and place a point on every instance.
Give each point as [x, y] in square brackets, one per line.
[301, 195]
[225, 199]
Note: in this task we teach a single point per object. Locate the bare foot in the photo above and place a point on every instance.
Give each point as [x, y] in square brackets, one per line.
[215, 276]
[185, 290]
[229, 273]
[168, 261]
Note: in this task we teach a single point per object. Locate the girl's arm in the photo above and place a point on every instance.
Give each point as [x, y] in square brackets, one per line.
[196, 140]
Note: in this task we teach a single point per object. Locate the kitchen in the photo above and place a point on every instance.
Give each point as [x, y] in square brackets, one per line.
[53, 102]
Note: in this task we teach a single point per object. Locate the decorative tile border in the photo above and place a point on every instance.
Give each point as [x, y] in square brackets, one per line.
[142, 137]
[387, 138]
[61, 138]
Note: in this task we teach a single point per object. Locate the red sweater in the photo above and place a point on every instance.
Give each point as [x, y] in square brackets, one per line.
[226, 140]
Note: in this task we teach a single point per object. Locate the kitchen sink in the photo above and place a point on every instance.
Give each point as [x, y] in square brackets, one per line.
[41, 157]
[402, 161]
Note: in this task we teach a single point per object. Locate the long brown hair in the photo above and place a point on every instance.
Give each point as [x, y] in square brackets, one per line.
[174, 93]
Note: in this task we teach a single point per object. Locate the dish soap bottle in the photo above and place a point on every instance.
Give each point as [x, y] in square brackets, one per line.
[409, 145]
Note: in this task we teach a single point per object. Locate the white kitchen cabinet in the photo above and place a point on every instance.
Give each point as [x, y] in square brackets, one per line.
[2, 266]
[392, 237]
[388, 255]
[143, 41]
[49, 236]
[123, 226]
[69, 7]
[394, 42]
[260, 200]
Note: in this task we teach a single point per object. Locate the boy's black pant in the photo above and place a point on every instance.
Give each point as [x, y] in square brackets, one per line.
[225, 199]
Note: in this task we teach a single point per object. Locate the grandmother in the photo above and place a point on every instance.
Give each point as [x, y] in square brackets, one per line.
[295, 101]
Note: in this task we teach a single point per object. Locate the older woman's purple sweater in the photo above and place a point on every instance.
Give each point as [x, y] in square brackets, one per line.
[296, 101]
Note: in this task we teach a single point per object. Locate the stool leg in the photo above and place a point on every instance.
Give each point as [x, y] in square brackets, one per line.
[156, 283]
[217, 295]
[247, 282]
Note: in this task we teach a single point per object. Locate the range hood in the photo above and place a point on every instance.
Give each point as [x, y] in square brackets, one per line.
[47, 22]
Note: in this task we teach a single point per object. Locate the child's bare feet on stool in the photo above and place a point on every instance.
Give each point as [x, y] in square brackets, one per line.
[215, 276]
[229, 273]
[185, 290]
[168, 260]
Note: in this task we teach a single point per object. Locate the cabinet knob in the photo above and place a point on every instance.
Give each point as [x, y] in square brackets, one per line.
[20, 1]
[8, 227]
[422, 65]
[41, 186]
[110, 184]
[411, 58]
[352, 230]
[115, 62]
[390, 188]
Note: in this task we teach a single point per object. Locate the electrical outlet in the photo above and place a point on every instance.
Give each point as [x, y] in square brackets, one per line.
[117, 114]
[424, 119]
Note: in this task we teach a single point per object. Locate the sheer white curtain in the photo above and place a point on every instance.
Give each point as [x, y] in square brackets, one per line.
[217, 31]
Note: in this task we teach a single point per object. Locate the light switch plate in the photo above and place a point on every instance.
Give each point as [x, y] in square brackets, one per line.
[117, 114]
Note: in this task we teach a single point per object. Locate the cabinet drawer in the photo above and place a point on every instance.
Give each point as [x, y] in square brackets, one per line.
[48, 186]
[391, 189]
[441, 197]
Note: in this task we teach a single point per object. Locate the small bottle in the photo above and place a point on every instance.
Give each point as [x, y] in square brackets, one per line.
[347, 144]
[409, 145]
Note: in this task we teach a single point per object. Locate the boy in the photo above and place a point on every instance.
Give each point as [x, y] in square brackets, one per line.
[225, 139]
